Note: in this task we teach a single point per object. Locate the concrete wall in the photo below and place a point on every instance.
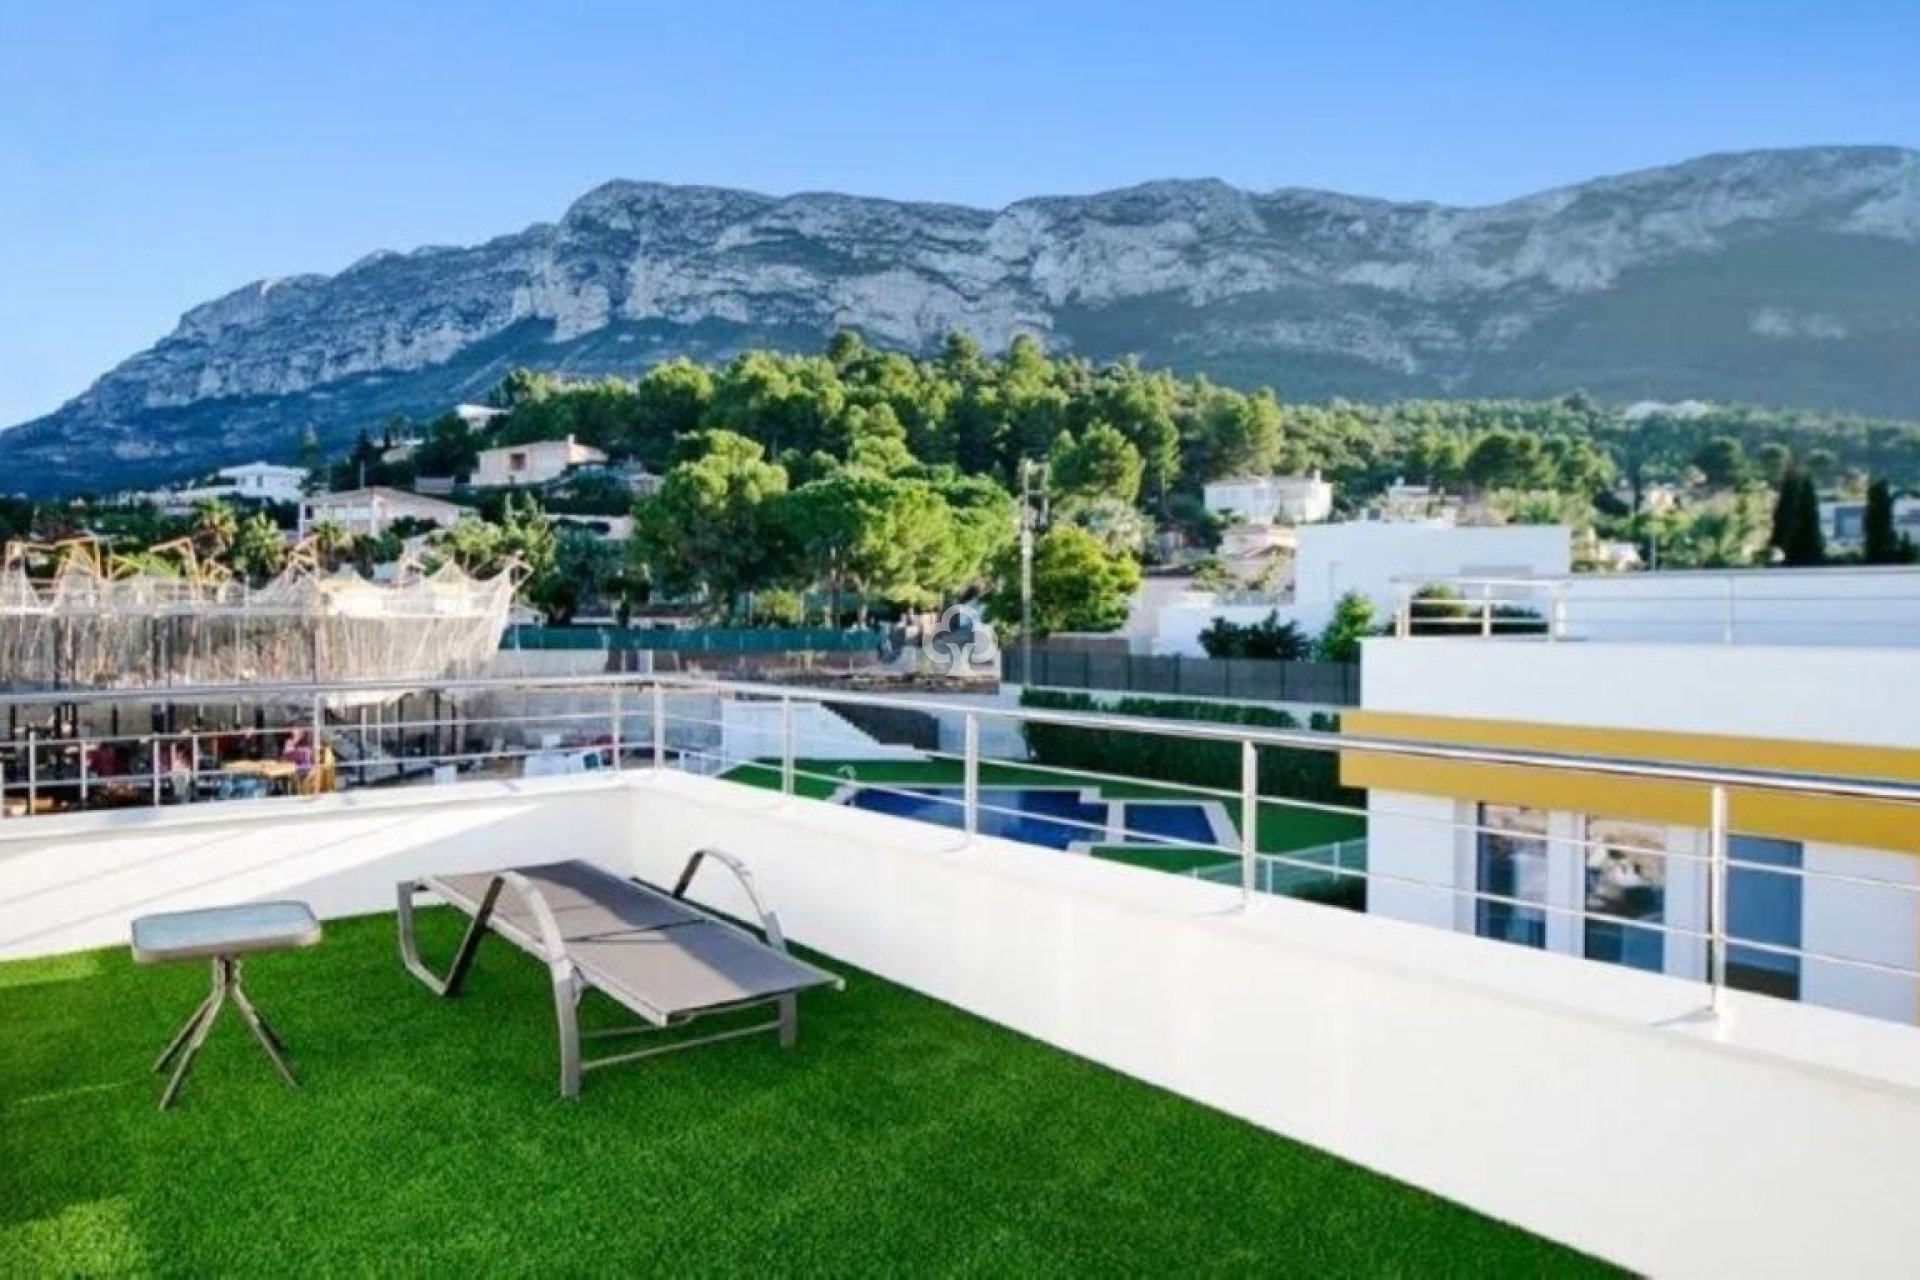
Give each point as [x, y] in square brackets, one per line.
[1577, 1100]
[1370, 556]
[1837, 607]
[74, 882]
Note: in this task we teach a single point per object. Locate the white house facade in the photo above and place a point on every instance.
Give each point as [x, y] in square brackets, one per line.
[534, 463]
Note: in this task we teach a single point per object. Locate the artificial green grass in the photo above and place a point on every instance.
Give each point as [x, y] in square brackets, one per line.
[901, 1137]
[1284, 827]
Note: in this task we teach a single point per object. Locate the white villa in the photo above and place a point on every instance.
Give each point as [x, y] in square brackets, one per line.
[370, 512]
[534, 463]
[1272, 499]
[249, 482]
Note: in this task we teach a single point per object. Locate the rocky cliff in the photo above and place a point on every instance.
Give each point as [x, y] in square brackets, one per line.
[1785, 277]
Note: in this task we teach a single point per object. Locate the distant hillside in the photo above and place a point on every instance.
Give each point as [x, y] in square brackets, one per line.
[1785, 277]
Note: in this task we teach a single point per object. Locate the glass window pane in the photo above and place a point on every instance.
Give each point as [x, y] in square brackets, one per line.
[1512, 863]
[1626, 880]
[1763, 906]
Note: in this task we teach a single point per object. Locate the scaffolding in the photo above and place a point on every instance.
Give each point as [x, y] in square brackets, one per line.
[72, 617]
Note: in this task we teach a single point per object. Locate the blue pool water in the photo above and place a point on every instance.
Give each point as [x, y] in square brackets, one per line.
[1048, 816]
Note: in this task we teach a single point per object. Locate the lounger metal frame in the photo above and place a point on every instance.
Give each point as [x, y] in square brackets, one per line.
[570, 985]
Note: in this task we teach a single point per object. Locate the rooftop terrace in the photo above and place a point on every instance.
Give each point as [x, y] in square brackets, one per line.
[1043, 1062]
[902, 1135]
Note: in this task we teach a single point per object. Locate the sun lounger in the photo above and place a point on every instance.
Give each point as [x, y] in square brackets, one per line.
[664, 958]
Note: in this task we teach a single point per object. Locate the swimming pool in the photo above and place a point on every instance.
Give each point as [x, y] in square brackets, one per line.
[1056, 817]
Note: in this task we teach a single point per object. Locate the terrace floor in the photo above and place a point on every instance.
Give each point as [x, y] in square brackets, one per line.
[900, 1136]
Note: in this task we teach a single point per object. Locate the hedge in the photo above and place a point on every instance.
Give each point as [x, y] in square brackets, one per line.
[1285, 772]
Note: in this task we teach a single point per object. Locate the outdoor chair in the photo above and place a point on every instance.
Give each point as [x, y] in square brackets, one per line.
[656, 954]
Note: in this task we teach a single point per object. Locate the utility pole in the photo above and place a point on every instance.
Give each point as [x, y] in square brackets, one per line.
[1033, 513]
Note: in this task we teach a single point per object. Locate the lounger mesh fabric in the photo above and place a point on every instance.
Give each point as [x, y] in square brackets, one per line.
[655, 953]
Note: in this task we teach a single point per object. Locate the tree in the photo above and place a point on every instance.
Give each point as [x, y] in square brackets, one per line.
[1077, 584]
[885, 535]
[1722, 461]
[1268, 639]
[214, 527]
[1883, 543]
[672, 400]
[258, 551]
[712, 526]
[1237, 435]
[1099, 464]
[584, 568]
[1772, 460]
[1352, 621]
[331, 543]
[1797, 535]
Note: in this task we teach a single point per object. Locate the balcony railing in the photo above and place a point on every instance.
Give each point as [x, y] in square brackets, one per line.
[63, 756]
[1841, 605]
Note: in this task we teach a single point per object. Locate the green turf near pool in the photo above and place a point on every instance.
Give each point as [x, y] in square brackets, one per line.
[1284, 827]
[902, 1137]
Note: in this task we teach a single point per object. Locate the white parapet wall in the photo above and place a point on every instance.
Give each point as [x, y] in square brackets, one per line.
[1587, 1103]
[75, 882]
[757, 731]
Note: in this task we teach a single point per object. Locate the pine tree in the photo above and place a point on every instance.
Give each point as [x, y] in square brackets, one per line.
[1796, 520]
[1882, 544]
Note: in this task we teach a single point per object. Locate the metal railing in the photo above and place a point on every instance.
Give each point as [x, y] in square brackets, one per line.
[1840, 605]
[758, 733]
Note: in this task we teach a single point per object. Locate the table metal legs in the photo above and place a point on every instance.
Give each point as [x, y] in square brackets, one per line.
[186, 1043]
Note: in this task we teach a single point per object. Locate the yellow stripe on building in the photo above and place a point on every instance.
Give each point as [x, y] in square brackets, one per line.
[1865, 823]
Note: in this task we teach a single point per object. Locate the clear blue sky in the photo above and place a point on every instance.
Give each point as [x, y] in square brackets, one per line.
[154, 155]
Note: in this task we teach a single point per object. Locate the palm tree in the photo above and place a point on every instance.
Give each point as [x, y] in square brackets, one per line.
[330, 542]
[259, 551]
[214, 527]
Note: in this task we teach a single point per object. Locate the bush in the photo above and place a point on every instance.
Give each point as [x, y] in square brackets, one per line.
[1287, 773]
[1269, 639]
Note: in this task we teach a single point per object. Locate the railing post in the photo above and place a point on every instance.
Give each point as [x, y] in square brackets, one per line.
[1249, 816]
[613, 711]
[155, 754]
[313, 749]
[1486, 611]
[33, 772]
[659, 725]
[1727, 619]
[83, 773]
[1717, 895]
[1557, 627]
[786, 744]
[970, 774]
[193, 762]
[1403, 612]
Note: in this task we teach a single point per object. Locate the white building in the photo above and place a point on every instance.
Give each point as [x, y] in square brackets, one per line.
[371, 512]
[250, 482]
[1375, 558]
[1269, 499]
[534, 463]
[1614, 869]
[265, 482]
[478, 416]
[1843, 521]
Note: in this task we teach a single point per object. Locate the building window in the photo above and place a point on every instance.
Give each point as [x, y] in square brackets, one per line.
[1625, 881]
[1763, 906]
[1511, 858]
[516, 462]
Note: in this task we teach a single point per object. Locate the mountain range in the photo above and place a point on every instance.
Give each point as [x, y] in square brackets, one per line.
[1783, 277]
